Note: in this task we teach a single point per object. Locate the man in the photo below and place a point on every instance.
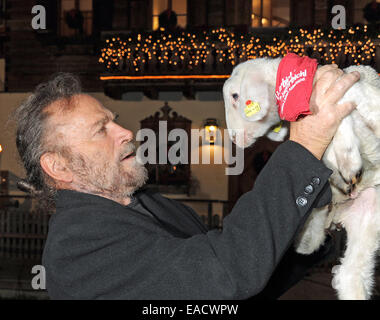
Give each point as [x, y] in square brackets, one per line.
[111, 240]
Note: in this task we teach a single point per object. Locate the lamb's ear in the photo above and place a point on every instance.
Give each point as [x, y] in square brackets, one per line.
[278, 133]
[254, 97]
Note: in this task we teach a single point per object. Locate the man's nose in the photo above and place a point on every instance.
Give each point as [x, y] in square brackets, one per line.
[123, 135]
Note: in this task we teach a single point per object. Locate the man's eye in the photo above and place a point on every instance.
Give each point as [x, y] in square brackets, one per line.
[102, 130]
[116, 118]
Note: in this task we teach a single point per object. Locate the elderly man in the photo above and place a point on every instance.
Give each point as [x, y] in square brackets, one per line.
[109, 239]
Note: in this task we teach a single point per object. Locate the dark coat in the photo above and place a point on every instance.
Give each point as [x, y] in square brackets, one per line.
[98, 249]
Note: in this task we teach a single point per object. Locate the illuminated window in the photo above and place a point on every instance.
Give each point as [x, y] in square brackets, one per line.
[76, 17]
[178, 6]
[270, 13]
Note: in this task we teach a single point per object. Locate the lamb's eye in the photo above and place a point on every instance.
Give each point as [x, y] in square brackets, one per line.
[235, 96]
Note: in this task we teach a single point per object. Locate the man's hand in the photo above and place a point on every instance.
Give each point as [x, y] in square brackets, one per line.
[315, 132]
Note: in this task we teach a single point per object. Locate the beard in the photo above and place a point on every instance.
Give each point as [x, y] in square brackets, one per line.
[117, 180]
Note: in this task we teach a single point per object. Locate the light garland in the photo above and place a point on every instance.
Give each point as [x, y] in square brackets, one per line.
[211, 76]
[191, 53]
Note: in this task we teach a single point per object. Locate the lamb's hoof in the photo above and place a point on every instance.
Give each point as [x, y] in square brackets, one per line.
[304, 250]
[358, 177]
[350, 186]
[310, 244]
[348, 189]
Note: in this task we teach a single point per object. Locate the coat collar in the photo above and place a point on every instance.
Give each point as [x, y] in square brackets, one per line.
[171, 213]
[178, 219]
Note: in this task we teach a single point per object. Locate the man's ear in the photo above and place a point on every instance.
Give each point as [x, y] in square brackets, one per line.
[278, 133]
[55, 166]
[254, 97]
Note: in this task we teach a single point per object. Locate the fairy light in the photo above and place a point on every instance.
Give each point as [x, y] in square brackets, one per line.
[164, 77]
[188, 50]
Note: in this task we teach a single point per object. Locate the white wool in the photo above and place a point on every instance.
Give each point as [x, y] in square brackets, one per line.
[355, 148]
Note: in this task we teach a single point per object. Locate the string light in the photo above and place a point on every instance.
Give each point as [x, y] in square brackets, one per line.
[191, 52]
[164, 77]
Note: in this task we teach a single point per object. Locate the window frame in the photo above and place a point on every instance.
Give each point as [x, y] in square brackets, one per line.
[167, 7]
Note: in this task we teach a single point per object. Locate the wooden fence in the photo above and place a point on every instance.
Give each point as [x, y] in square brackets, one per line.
[22, 233]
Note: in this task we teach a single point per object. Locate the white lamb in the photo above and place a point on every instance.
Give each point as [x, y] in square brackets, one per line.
[353, 155]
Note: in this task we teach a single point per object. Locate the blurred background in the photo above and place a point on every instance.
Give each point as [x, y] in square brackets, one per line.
[153, 60]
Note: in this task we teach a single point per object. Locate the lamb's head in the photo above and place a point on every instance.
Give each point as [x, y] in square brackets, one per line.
[250, 102]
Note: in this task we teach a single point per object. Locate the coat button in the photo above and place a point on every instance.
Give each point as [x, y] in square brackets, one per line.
[316, 181]
[301, 201]
[309, 189]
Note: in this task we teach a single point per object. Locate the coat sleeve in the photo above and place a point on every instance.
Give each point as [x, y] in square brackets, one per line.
[234, 263]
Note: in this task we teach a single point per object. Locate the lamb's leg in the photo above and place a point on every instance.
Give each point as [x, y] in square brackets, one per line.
[346, 148]
[340, 188]
[313, 234]
[353, 279]
[370, 110]
[366, 95]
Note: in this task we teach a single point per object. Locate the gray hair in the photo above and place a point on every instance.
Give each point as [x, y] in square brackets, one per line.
[31, 118]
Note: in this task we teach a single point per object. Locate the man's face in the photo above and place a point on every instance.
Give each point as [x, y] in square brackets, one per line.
[101, 153]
